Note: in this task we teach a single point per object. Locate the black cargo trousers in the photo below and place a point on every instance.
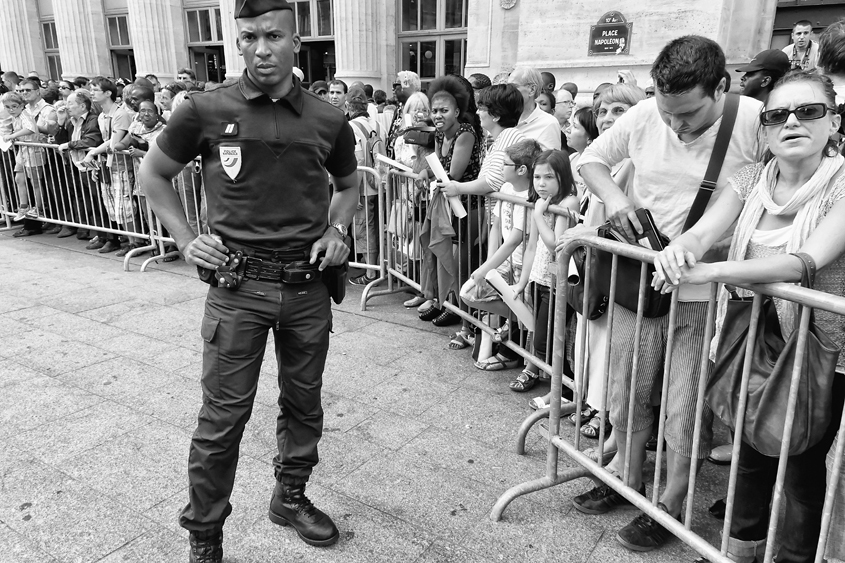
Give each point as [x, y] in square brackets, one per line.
[234, 328]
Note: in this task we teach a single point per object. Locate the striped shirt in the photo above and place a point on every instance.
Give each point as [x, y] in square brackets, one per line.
[492, 169]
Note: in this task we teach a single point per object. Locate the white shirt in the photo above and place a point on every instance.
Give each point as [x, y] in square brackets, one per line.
[795, 59]
[512, 216]
[668, 171]
[542, 127]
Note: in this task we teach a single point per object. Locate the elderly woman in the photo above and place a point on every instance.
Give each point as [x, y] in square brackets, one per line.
[793, 201]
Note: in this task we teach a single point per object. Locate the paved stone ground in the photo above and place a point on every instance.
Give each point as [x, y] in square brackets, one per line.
[99, 390]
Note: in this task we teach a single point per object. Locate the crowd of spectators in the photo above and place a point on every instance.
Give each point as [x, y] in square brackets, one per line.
[563, 162]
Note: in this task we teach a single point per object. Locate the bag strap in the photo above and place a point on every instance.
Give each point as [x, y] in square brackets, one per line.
[808, 275]
[717, 158]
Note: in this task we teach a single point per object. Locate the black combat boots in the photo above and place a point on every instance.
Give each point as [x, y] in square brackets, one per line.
[206, 547]
[290, 506]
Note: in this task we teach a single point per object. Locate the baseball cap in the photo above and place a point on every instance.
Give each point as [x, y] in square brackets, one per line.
[319, 85]
[774, 60]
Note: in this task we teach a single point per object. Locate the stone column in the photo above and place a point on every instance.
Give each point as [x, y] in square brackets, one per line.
[158, 37]
[360, 41]
[21, 46]
[234, 61]
[83, 38]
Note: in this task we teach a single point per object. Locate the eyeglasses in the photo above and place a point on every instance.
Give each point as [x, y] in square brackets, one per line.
[397, 85]
[146, 112]
[807, 112]
[617, 111]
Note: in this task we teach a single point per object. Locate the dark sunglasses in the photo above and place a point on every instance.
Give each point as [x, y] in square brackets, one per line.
[397, 85]
[807, 112]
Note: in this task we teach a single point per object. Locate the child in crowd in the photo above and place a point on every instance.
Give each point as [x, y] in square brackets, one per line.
[29, 160]
[552, 184]
[508, 227]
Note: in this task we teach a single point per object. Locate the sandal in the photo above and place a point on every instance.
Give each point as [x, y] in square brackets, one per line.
[502, 333]
[459, 341]
[496, 363]
[538, 403]
[591, 429]
[587, 413]
[525, 381]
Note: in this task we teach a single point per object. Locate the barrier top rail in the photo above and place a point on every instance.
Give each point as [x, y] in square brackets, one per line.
[797, 294]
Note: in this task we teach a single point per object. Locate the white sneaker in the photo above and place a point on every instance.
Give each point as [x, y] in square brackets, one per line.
[414, 301]
[32, 213]
[21, 214]
[426, 305]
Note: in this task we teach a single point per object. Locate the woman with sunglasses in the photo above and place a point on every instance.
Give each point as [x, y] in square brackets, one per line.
[66, 88]
[792, 201]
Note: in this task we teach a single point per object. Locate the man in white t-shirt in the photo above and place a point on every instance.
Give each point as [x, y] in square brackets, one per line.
[669, 139]
[534, 123]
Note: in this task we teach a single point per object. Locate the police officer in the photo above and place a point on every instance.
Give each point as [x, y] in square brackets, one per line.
[266, 145]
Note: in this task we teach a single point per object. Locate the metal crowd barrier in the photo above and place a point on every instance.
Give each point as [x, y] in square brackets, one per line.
[108, 198]
[594, 466]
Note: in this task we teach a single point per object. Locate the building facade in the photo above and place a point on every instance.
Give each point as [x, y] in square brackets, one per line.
[583, 41]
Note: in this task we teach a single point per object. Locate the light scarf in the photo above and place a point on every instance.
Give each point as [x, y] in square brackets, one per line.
[806, 204]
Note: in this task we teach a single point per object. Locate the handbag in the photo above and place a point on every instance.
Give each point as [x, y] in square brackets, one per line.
[656, 304]
[770, 377]
[627, 294]
[421, 135]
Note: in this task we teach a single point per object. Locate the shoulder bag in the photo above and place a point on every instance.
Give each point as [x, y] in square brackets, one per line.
[628, 275]
[772, 362]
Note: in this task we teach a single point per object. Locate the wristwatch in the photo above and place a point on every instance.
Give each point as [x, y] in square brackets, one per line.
[341, 228]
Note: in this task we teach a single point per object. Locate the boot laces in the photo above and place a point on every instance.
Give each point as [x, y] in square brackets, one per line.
[302, 503]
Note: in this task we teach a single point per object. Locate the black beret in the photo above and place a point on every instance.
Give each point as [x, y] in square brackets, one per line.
[254, 8]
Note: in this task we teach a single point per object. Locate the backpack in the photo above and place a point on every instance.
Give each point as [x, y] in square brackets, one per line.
[373, 146]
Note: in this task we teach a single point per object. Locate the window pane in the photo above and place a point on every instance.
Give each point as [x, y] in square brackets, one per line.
[324, 17]
[428, 59]
[454, 13]
[409, 15]
[114, 35]
[205, 25]
[193, 27]
[123, 27]
[452, 56]
[48, 38]
[219, 24]
[429, 14]
[409, 57]
[303, 18]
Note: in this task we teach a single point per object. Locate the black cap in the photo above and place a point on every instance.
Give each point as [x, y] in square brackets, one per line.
[254, 8]
[319, 85]
[773, 60]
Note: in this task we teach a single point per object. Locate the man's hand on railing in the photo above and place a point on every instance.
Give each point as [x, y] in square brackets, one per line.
[622, 214]
[63, 147]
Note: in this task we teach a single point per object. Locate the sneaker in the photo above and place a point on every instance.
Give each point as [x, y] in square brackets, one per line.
[32, 213]
[361, 280]
[644, 533]
[601, 500]
[428, 304]
[21, 214]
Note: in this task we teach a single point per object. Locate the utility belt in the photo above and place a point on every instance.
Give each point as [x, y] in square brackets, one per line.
[281, 266]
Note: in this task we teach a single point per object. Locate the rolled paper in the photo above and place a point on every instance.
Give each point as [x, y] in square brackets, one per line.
[520, 309]
[393, 163]
[440, 174]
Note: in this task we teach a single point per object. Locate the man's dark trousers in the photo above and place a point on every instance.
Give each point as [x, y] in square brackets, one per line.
[234, 328]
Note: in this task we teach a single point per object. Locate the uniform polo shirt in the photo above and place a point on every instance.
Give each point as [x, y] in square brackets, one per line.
[264, 162]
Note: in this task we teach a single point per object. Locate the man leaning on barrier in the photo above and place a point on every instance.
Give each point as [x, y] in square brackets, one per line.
[669, 139]
[266, 145]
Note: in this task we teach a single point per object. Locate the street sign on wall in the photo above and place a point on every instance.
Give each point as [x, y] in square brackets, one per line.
[610, 36]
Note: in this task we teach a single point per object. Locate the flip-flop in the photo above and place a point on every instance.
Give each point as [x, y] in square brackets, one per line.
[496, 363]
